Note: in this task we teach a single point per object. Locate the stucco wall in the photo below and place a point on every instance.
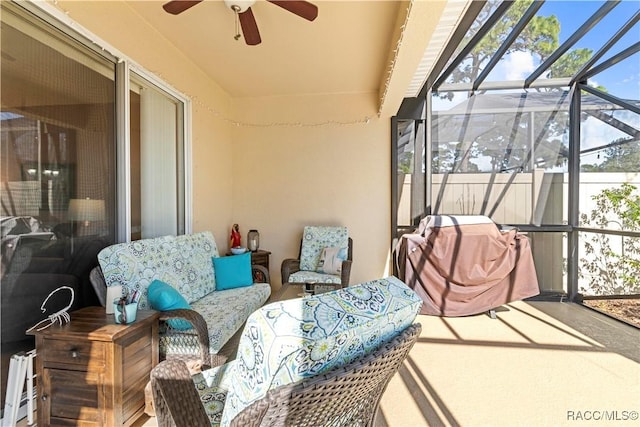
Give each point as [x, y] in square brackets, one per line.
[293, 168]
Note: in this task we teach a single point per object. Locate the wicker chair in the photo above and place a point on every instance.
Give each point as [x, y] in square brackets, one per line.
[291, 269]
[344, 396]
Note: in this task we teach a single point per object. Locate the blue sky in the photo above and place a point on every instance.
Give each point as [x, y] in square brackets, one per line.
[623, 79]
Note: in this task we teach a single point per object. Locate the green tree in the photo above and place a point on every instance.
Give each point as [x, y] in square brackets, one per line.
[610, 270]
[622, 156]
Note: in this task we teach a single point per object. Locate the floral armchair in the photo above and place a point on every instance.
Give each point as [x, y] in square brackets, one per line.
[326, 255]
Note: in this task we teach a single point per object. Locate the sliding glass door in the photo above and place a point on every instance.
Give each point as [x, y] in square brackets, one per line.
[84, 164]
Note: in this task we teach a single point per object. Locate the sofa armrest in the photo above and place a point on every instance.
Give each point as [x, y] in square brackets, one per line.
[346, 272]
[199, 325]
[289, 266]
[260, 274]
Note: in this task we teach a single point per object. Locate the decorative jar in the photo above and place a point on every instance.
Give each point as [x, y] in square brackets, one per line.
[253, 240]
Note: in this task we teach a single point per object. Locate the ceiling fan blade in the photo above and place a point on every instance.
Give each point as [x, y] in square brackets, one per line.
[249, 28]
[303, 9]
[178, 6]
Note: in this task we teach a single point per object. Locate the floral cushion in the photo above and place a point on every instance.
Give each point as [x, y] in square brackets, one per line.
[315, 239]
[184, 262]
[226, 311]
[212, 390]
[311, 276]
[287, 341]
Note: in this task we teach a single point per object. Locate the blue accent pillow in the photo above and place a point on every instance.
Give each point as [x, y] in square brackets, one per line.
[163, 297]
[232, 271]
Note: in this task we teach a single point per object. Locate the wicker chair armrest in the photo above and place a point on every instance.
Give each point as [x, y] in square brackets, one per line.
[260, 274]
[289, 266]
[176, 400]
[199, 325]
[346, 272]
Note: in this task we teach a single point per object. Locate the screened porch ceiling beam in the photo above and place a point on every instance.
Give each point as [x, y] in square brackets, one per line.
[581, 74]
[613, 99]
[604, 147]
[613, 60]
[577, 35]
[615, 123]
[507, 84]
[508, 41]
[477, 37]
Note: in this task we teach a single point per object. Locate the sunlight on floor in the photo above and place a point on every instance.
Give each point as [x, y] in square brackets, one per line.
[523, 368]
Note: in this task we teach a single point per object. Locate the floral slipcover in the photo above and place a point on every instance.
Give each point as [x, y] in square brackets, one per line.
[314, 240]
[184, 262]
[287, 341]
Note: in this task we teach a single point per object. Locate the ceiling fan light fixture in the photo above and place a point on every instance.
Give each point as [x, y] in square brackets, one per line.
[244, 15]
[239, 6]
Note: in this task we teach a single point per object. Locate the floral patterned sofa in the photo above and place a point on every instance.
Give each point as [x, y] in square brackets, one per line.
[185, 263]
[287, 341]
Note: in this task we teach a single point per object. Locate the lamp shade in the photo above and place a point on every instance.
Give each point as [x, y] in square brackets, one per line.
[86, 210]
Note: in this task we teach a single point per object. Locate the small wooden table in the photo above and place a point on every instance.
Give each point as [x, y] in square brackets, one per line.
[260, 257]
[93, 371]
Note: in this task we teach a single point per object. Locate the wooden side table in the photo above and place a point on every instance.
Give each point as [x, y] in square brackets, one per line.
[92, 370]
[260, 257]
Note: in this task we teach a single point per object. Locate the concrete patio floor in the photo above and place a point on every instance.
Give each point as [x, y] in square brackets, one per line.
[537, 364]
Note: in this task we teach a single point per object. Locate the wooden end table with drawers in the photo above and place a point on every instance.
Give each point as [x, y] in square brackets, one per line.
[93, 371]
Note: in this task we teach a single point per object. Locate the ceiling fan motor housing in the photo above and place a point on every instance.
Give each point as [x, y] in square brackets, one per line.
[239, 6]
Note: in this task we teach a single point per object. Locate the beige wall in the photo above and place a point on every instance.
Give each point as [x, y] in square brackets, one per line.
[287, 176]
[273, 177]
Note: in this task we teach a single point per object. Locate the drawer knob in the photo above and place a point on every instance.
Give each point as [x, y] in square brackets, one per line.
[74, 354]
[44, 397]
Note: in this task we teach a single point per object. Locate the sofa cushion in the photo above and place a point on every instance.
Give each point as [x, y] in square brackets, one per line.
[183, 262]
[311, 276]
[315, 239]
[287, 341]
[163, 297]
[233, 271]
[225, 312]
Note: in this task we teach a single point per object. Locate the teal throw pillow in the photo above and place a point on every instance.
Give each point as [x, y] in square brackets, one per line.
[232, 271]
[163, 297]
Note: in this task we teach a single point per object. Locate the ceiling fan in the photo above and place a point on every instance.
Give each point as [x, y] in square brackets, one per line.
[244, 15]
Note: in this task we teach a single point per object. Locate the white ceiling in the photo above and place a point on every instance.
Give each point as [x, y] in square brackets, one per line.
[349, 48]
[343, 50]
[385, 47]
